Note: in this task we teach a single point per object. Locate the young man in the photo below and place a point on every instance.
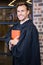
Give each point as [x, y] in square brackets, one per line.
[25, 49]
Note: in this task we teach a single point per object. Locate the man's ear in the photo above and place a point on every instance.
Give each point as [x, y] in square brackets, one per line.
[28, 12]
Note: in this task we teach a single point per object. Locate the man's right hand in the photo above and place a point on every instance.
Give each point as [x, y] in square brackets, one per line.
[13, 42]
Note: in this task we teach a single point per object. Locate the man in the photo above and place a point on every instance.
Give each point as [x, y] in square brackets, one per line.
[25, 49]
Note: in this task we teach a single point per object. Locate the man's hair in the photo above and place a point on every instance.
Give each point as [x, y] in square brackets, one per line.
[22, 3]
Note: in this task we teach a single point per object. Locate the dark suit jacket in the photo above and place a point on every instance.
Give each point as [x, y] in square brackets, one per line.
[27, 51]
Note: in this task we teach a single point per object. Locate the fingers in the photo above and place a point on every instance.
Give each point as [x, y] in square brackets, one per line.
[13, 42]
[16, 37]
[10, 45]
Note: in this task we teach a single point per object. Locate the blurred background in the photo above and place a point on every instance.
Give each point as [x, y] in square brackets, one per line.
[8, 17]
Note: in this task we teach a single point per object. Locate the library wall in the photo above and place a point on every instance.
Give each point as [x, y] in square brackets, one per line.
[38, 22]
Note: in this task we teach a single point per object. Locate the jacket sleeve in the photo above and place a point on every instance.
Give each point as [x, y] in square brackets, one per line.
[7, 38]
[35, 48]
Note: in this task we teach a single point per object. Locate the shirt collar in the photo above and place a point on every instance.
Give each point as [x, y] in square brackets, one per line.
[24, 21]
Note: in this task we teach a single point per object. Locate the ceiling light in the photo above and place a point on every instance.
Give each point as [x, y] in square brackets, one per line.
[11, 3]
[28, 1]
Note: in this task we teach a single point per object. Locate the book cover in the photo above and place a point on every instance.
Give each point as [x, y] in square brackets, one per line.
[15, 33]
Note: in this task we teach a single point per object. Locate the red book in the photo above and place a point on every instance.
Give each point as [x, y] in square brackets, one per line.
[15, 33]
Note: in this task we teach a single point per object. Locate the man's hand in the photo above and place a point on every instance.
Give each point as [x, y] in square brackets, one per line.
[13, 42]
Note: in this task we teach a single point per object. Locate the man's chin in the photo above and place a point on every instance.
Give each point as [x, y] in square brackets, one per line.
[21, 19]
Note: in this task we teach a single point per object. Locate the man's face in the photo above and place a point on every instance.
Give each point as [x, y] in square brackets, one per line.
[22, 12]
